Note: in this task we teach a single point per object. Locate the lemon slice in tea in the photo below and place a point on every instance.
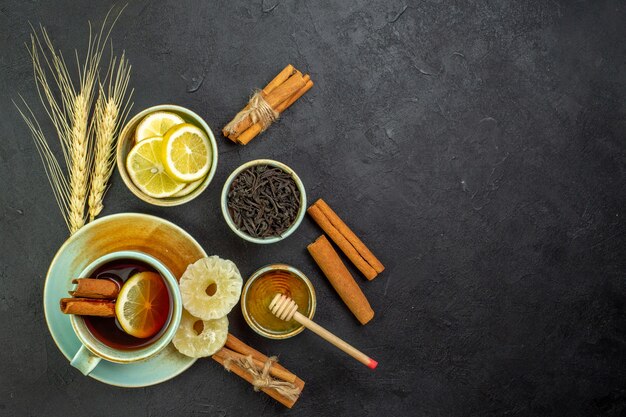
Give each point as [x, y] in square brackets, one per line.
[156, 124]
[200, 338]
[146, 170]
[143, 305]
[186, 153]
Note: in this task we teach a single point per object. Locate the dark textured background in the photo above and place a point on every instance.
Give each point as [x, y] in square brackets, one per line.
[478, 147]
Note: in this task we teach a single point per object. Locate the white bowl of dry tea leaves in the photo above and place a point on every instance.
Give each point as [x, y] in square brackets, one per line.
[263, 201]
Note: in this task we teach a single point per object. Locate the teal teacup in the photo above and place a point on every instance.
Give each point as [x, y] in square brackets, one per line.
[93, 350]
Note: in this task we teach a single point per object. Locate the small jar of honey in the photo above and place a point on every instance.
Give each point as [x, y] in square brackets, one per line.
[261, 288]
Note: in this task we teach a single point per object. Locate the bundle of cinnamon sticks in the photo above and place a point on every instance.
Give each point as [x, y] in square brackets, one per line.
[91, 297]
[250, 364]
[266, 105]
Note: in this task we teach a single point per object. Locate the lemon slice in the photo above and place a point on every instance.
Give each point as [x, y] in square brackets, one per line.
[146, 170]
[210, 287]
[143, 305]
[189, 188]
[186, 153]
[156, 124]
[200, 338]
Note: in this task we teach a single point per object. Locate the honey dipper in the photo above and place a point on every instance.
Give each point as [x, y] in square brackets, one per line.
[286, 309]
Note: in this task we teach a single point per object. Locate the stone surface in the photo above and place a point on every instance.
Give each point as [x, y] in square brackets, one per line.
[477, 147]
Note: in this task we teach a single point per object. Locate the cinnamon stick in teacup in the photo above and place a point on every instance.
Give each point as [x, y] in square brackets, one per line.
[340, 278]
[95, 288]
[345, 238]
[88, 307]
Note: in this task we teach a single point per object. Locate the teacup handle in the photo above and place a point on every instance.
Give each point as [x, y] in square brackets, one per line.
[84, 360]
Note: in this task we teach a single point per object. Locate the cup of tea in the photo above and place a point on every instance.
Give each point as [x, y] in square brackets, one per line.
[103, 337]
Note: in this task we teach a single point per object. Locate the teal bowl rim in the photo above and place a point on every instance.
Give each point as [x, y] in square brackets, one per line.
[112, 354]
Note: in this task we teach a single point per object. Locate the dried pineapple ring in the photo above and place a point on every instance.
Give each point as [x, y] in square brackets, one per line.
[197, 341]
[210, 287]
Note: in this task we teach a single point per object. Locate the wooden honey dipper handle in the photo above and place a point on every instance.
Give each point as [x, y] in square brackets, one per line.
[286, 309]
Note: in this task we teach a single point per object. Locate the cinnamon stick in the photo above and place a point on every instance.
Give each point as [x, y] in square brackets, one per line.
[257, 128]
[331, 265]
[342, 242]
[88, 307]
[95, 288]
[287, 89]
[282, 76]
[249, 378]
[274, 371]
[279, 94]
[273, 98]
[286, 104]
[345, 238]
[240, 347]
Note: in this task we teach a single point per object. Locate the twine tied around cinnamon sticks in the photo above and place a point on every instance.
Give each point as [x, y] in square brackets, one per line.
[261, 377]
[255, 367]
[258, 110]
[265, 106]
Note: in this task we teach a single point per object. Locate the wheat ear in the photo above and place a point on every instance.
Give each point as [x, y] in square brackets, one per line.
[79, 162]
[111, 110]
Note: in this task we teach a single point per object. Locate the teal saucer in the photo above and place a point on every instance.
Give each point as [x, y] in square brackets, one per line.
[127, 231]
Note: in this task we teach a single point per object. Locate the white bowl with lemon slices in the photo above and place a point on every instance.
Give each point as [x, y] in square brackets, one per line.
[167, 155]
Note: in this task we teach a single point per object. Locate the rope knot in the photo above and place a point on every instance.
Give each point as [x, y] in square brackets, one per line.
[259, 111]
[261, 377]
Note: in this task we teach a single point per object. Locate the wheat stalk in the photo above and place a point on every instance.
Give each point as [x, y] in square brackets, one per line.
[111, 110]
[80, 160]
[106, 114]
[68, 105]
